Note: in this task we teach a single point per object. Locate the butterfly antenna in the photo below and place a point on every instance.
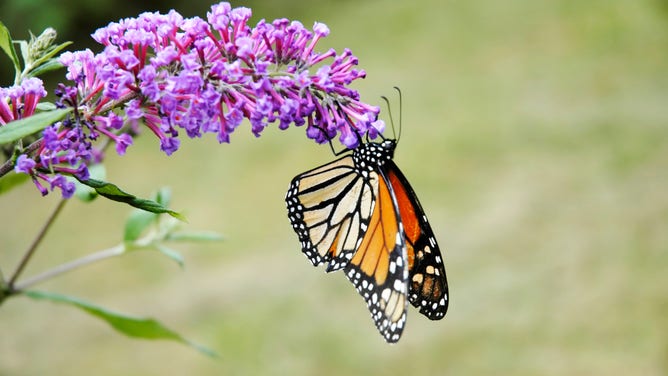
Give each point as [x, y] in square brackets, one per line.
[357, 133]
[329, 140]
[389, 111]
[400, 112]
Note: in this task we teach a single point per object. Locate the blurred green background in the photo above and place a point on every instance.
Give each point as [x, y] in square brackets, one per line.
[535, 134]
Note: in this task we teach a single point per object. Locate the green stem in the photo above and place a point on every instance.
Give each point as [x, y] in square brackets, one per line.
[70, 266]
[3, 288]
[31, 250]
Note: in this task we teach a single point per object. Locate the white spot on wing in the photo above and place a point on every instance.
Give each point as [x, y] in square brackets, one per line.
[385, 295]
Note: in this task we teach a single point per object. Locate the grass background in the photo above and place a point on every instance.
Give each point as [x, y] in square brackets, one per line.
[535, 134]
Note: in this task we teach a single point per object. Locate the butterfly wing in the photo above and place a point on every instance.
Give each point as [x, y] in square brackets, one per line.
[378, 269]
[427, 280]
[367, 220]
[329, 208]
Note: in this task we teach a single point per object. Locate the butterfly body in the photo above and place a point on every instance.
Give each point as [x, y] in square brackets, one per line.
[359, 213]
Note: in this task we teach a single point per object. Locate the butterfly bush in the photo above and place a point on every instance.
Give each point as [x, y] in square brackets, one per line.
[176, 75]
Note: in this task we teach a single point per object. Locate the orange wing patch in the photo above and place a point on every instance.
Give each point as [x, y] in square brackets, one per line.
[373, 254]
[428, 284]
[378, 268]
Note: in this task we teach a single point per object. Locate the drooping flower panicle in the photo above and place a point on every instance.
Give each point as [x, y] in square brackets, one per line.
[205, 77]
[178, 75]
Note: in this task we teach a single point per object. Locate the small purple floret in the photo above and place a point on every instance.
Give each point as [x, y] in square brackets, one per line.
[24, 164]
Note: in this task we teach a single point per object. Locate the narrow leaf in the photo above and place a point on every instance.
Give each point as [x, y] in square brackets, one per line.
[7, 46]
[23, 46]
[46, 106]
[84, 192]
[114, 193]
[12, 180]
[18, 129]
[51, 53]
[137, 327]
[48, 66]
[164, 196]
[195, 236]
[138, 221]
[172, 254]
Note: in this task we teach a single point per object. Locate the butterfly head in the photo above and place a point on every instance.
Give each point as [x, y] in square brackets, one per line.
[388, 145]
[372, 155]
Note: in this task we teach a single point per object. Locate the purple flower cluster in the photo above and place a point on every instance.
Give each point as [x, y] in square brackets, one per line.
[19, 102]
[197, 76]
[207, 76]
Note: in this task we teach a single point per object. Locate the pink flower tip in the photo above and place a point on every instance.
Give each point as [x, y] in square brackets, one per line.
[321, 29]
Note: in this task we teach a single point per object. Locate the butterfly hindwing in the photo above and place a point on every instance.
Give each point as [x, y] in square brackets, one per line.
[379, 269]
[427, 279]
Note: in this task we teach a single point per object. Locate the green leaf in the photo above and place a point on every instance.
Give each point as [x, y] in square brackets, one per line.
[114, 193]
[7, 46]
[84, 192]
[23, 46]
[138, 221]
[137, 327]
[164, 196]
[195, 236]
[48, 66]
[12, 180]
[46, 106]
[51, 53]
[172, 254]
[18, 129]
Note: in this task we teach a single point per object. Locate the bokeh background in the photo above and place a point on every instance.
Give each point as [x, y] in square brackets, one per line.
[535, 134]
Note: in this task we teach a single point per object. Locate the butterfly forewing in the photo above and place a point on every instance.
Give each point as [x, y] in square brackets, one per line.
[427, 280]
[329, 208]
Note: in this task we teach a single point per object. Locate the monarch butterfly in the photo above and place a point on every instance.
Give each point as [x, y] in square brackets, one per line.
[360, 214]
